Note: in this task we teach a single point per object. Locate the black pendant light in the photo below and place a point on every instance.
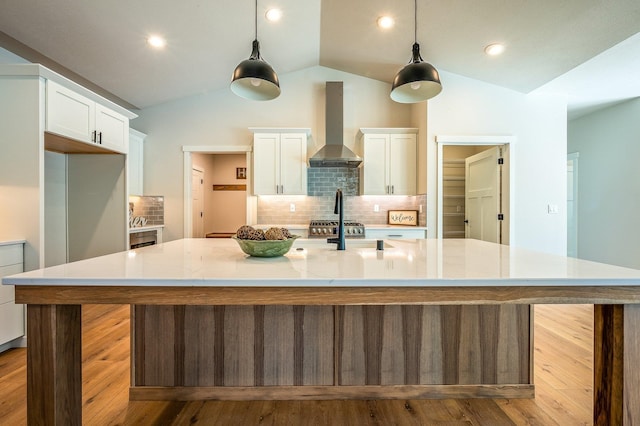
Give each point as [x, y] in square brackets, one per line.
[418, 80]
[254, 78]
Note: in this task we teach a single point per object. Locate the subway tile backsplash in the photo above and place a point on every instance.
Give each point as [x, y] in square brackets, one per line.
[323, 181]
[276, 209]
[149, 207]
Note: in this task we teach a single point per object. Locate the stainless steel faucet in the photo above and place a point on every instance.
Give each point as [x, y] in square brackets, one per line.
[339, 210]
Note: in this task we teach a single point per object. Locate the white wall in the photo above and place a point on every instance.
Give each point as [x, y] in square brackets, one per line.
[221, 118]
[7, 57]
[538, 122]
[608, 183]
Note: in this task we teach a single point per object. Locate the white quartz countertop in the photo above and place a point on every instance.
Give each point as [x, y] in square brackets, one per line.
[144, 228]
[420, 262]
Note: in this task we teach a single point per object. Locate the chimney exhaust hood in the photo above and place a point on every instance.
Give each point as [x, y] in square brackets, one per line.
[334, 153]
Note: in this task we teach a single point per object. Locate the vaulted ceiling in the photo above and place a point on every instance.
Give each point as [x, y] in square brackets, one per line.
[105, 41]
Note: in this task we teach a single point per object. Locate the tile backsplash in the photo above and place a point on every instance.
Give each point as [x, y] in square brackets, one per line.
[276, 210]
[323, 181]
[149, 207]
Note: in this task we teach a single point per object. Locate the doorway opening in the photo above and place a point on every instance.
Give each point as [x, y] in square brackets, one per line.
[474, 191]
[223, 174]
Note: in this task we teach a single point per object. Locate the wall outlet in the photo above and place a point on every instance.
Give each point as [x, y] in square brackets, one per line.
[552, 209]
[376, 208]
[292, 207]
[420, 208]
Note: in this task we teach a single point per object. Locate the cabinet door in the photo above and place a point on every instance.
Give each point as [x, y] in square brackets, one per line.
[69, 114]
[293, 164]
[402, 164]
[135, 165]
[112, 128]
[375, 166]
[266, 164]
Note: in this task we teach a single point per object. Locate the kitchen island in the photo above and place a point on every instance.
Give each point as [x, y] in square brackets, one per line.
[420, 319]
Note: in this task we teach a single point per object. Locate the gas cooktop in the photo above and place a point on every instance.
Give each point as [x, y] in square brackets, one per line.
[329, 229]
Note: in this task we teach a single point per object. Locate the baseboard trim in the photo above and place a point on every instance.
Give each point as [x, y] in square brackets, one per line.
[241, 393]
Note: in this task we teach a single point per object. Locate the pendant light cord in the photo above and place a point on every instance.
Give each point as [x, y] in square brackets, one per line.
[256, 20]
[415, 22]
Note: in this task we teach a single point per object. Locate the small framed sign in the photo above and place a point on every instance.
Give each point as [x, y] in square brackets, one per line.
[403, 217]
[241, 172]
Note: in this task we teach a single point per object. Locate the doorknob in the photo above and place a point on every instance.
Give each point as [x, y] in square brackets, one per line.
[466, 221]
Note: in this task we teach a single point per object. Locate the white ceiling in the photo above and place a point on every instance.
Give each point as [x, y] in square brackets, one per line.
[547, 41]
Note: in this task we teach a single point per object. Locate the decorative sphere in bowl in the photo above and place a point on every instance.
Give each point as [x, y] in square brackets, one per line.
[265, 248]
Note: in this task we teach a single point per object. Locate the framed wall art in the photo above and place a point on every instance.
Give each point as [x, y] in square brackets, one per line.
[403, 217]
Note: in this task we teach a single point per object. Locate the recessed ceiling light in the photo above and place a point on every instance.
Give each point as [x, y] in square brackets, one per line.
[385, 22]
[494, 49]
[273, 15]
[156, 41]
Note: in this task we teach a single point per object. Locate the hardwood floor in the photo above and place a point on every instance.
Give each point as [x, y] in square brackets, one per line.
[563, 358]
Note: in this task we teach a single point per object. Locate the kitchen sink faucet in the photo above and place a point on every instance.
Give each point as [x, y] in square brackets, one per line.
[339, 210]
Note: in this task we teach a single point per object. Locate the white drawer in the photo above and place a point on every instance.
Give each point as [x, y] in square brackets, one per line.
[11, 322]
[394, 233]
[6, 291]
[11, 254]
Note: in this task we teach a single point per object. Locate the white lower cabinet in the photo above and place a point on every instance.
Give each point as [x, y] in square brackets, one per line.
[11, 315]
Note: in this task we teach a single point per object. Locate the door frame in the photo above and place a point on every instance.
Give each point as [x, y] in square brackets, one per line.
[508, 198]
[187, 150]
[574, 157]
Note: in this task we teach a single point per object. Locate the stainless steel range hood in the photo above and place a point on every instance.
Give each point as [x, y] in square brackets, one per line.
[334, 153]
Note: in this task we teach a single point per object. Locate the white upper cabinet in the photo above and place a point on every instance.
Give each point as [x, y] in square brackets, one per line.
[135, 162]
[112, 129]
[389, 165]
[280, 162]
[69, 113]
[75, 116]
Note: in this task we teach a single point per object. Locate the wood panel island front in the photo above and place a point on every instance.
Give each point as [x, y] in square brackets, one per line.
[419, 319]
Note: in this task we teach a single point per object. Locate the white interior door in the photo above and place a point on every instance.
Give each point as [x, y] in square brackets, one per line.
[482, 196]
[197, 197]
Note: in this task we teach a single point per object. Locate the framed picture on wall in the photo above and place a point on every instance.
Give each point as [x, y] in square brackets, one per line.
[241, 172]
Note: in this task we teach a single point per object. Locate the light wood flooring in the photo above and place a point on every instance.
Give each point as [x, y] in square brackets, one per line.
[563, 358]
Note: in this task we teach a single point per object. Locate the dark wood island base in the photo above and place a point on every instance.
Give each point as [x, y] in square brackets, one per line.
[331, 352]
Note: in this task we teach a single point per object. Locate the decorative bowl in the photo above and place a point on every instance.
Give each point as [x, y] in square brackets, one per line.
[265, 248]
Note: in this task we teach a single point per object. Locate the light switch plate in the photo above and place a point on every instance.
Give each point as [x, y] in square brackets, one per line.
[552, 209]
[292, 207]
